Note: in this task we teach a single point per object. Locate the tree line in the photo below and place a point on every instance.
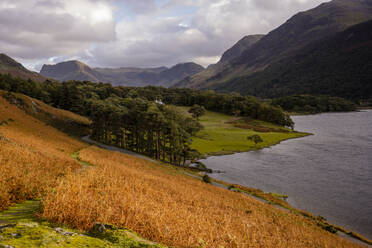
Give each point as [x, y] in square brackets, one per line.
[158, 131]
[143, 119]
[314, 104]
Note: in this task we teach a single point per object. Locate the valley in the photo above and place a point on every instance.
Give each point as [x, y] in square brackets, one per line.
[185, 124]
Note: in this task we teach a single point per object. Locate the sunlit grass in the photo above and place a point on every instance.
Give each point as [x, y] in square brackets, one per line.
[220, 136]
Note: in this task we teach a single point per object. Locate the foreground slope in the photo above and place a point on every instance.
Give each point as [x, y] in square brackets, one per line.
[155, 201]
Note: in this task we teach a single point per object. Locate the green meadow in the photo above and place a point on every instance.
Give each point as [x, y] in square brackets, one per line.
[224, 134]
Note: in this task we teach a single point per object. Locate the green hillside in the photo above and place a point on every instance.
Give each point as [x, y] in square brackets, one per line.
[338, 66]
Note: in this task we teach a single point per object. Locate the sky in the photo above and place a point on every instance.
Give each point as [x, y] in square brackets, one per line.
[135, 33]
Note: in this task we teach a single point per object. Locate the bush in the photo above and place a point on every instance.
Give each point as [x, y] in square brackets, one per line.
[207, 179]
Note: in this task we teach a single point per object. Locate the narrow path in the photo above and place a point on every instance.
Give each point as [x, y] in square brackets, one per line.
[83, 163]
[116, 149]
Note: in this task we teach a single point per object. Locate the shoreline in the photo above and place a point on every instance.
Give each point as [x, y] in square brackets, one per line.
[339, 228]
[271, 198]
[224, 153]
[279, 201]
[359, 109]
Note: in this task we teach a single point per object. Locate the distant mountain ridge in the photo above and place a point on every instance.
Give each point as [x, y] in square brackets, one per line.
[9, 65]
[300, 30]
[69, 70]
[160, 76]
[232, 53]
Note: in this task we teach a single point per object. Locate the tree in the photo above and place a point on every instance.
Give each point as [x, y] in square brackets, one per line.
[255, 138]
[197, 111]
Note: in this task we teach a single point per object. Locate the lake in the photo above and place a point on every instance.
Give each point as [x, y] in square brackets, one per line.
[328, 173]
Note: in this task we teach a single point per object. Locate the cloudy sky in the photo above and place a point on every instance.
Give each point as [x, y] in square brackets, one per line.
[141, 33]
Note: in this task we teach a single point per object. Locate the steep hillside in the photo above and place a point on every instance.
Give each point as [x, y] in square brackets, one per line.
[62, 120]
[156, 201]
[242, 45]
[9, 65]
[299, 31]
[161, 76]
[232, 53]
[34, 159]
[339, 66]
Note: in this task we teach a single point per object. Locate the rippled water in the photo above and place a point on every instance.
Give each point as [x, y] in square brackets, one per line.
[328, 173]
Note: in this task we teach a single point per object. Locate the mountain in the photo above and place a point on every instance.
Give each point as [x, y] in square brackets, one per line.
[162, 76]
[299, 31]
[232, 53]
[340, 65]
[178, 72]
[9, 65]
[70, 70]
[242, 45]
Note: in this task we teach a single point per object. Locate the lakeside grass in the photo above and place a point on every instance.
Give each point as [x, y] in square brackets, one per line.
[222, 135]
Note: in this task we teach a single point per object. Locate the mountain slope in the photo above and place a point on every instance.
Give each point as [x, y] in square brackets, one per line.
[340, 66]
[76, 70]
[70, 70]
[178, 72]
[9, 65]
[232, 53]
[242, 45]
[299, 31]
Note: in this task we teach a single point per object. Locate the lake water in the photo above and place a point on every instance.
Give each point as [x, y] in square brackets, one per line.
[328, 173]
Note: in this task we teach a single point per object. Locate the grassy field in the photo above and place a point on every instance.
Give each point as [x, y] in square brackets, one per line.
[224, 134]
[155, 201]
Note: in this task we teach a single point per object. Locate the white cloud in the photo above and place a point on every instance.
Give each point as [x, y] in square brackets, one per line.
[155, 34]
[153, 40]
[35, 29]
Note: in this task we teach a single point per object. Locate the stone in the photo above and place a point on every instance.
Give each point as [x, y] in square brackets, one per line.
[63, 232]
[101, 227]
[6, 226]
[16, 235]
